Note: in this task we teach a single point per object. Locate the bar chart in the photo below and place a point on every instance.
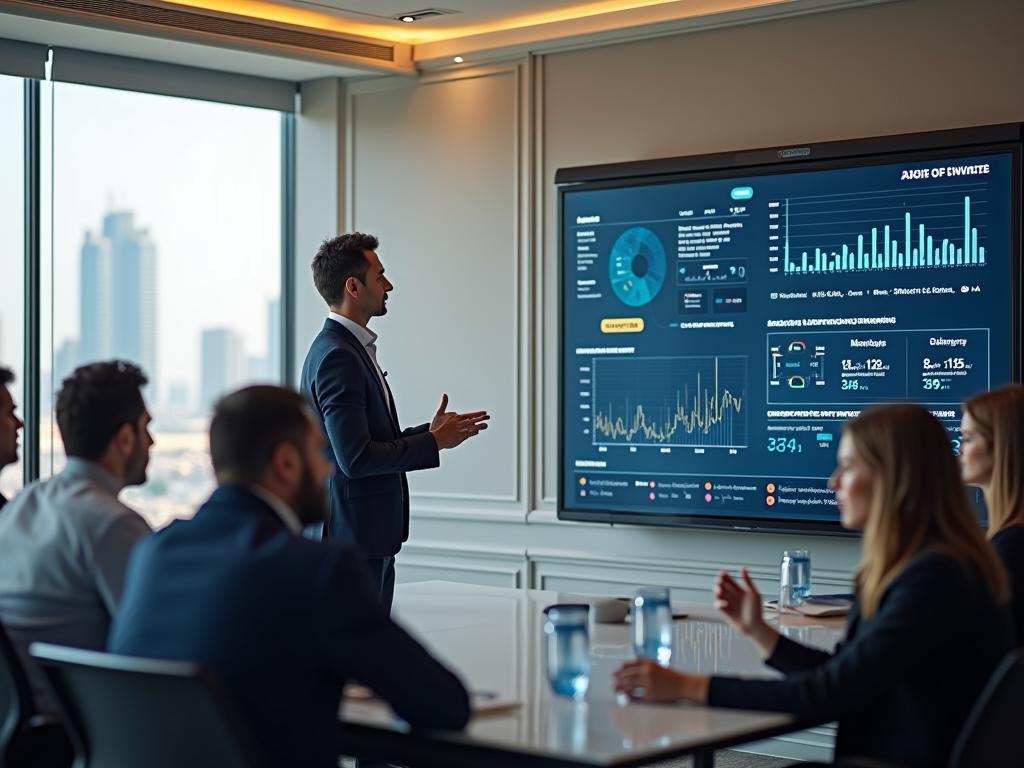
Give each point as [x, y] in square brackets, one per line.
[885, 230]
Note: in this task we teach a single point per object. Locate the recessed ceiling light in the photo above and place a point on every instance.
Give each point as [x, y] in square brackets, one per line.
[426, 13]
[458, 59]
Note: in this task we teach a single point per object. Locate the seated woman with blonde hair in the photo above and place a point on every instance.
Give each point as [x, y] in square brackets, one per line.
[929, 625]
[992, 458]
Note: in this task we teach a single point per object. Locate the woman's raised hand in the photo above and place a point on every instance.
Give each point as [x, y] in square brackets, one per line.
[740, 603]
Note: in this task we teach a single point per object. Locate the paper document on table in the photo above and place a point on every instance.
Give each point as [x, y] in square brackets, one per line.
[487, 702]
[819, 606]
[481, 702]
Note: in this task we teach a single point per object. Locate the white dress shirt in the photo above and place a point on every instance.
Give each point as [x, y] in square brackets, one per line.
[368, 339]
[64, 547]
[282, 510]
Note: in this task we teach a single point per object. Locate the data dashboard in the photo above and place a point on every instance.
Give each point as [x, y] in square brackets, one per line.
[716, 332]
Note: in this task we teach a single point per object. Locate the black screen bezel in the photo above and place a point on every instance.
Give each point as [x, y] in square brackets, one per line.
[833, 156]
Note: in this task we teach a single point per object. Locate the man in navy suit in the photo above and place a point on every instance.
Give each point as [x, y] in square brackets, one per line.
[348, 389]
[283, 621]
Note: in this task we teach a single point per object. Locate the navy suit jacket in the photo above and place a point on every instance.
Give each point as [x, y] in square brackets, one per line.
[283, 621]
[370, 452]
[903, 682]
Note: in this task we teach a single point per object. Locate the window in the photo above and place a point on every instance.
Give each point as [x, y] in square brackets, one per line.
[166, 251]
[12, 249]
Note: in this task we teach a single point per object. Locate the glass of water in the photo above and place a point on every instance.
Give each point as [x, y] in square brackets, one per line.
[567, 649]
[794, 577]
[652, 625]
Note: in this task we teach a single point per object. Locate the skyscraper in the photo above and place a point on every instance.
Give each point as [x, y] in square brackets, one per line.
[223, 364]
[118, 301]
[273, 371]
[96, 305]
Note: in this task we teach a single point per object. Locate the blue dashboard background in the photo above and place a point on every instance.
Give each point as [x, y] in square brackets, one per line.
[640, 436]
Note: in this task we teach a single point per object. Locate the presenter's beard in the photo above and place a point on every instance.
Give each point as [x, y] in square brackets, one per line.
[311, 503]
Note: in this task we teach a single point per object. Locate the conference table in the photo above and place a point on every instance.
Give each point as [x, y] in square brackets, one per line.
[492, 637]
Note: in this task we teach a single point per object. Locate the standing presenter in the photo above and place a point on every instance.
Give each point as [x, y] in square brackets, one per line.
[349, 391]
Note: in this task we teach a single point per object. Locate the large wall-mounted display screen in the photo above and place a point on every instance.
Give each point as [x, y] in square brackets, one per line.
[717, 330]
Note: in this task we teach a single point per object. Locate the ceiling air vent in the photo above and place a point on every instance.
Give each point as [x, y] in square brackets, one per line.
[426, 13]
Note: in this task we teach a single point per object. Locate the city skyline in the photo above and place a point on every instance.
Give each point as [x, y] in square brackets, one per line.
[201, 183]
[118, 266]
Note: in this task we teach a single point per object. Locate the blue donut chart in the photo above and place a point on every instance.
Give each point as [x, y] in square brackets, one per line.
[632, 289]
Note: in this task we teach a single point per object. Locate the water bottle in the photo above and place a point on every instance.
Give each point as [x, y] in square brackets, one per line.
[794, 577]
[652, 625]
[567, 649]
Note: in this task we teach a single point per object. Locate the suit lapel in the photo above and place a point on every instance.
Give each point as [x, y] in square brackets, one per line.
[346, 335]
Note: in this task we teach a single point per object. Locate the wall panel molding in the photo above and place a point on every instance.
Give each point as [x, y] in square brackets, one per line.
[491, 566]
[692, 578]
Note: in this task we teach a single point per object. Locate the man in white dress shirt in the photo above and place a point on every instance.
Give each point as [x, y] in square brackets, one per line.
[65, 541]
[352, 400]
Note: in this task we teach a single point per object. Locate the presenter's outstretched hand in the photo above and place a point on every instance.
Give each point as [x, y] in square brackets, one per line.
[740, 604]
[451, 429]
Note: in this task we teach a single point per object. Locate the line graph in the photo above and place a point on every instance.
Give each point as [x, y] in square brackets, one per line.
[666, 401]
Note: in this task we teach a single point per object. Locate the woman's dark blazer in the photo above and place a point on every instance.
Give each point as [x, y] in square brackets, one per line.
[902, 683]
[1009, 545]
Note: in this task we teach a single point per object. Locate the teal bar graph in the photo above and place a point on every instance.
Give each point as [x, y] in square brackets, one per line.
[919, 249]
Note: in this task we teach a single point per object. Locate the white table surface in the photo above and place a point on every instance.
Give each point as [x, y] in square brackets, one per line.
[492, 637]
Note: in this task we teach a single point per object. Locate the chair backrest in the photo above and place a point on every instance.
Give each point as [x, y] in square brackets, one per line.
[125, 712]
[16, 705]
[993, 735]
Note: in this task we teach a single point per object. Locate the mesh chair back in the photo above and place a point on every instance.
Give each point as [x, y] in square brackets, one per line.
[993, 736]
[126, 712]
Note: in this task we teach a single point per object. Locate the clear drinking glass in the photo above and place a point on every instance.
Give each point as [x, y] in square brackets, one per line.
[652, 625]
[794, 577]
[567, 649]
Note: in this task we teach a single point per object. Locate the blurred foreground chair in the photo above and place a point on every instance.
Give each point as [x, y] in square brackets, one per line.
[125, 712]
[27, 739]
[992, 736]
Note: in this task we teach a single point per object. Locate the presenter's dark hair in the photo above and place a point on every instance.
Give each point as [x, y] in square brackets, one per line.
[249, 424]
[94, 402]
[338, 259]
[6, 376]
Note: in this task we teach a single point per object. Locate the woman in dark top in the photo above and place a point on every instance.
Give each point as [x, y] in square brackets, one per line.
[929, 625]
[992, 458]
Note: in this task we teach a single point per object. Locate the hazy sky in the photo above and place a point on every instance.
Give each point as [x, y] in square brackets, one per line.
[11, 212]
[203, 178]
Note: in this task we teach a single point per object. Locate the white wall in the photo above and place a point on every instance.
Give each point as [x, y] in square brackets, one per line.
[455, 174]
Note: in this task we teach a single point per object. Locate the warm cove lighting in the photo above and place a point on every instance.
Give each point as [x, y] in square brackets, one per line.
[415, 33]
[458, 59]
[407, 19]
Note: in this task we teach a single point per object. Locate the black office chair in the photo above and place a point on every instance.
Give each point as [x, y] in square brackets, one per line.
[124, 712]
[27, 739]
[992, 735]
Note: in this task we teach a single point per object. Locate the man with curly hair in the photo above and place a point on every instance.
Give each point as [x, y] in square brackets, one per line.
[65, 541]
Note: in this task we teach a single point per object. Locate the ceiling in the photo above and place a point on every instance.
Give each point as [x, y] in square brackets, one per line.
[477, 31]
[375, 18]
